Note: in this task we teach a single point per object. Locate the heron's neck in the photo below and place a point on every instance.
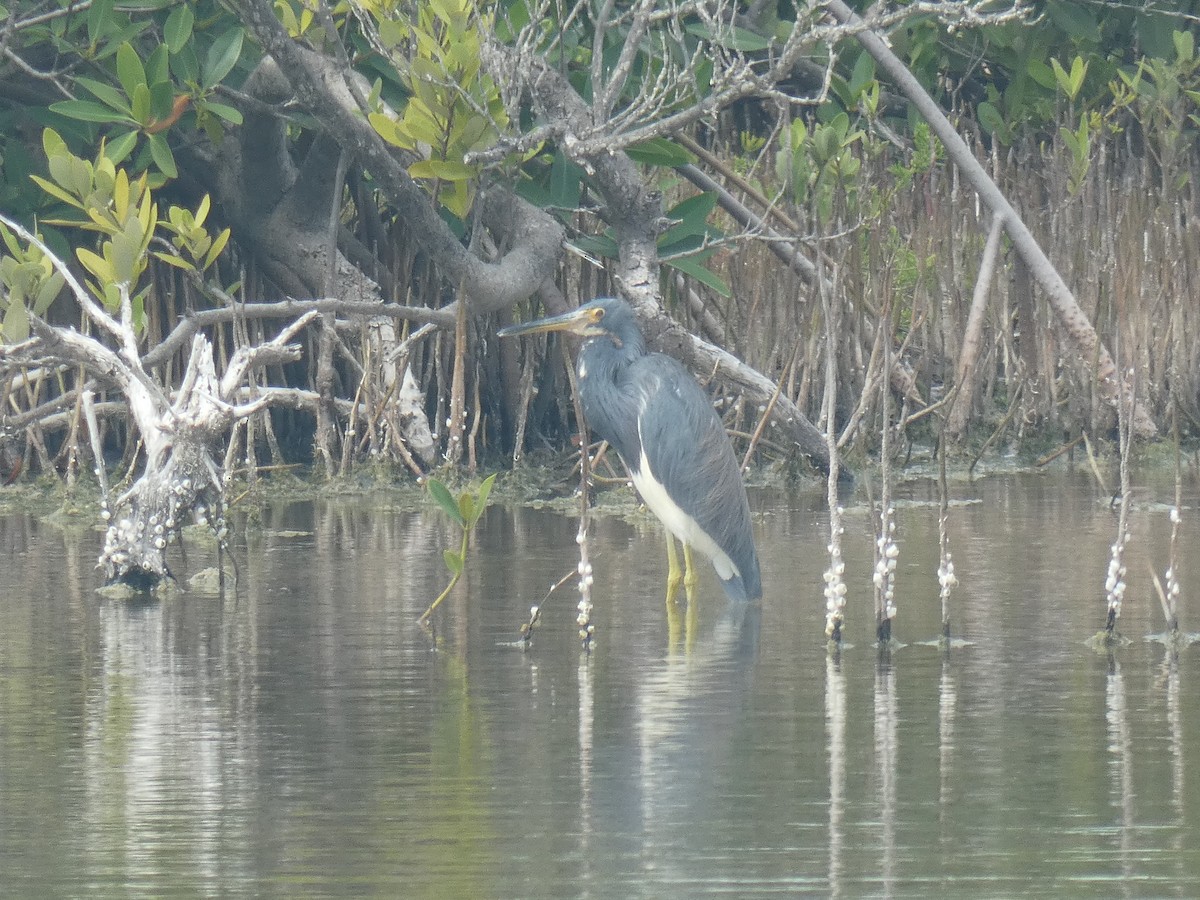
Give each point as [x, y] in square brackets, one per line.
[610, 400]
[605, 357]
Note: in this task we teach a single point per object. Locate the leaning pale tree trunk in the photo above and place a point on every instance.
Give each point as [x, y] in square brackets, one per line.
[1071, 317]
[968, 356]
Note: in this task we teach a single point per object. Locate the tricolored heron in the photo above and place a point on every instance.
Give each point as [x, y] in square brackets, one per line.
[670, 438]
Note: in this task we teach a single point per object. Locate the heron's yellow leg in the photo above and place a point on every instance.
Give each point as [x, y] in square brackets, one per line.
[681, 623]
[691, 577]
[675, 575]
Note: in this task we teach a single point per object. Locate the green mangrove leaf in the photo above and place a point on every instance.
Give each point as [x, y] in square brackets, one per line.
[55, 191]
[1070, 83]
[172, 260]
[862, 75]
[445, 169]
[1185, 45]
[230, 114]
[740, 39]
[130, 71]
[690, 266]
[160, 150]
[87, 111]
[46, 293]
[466, 508]
[991, 119]
[140, 105]
[222, 57]
[597, 244]
[218, 245]
[566, 182]
[442, 497]
[16, 322]
[178, 28]
[105, 93]
[184, 63]
[97, 265]
[485, 490]
[118, 149]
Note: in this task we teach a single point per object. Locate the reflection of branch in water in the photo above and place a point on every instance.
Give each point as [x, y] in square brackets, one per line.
[586, 716]
[887, 745]
[1121, 765]
[170, 730]
[947, 706]
[835, 730]
[1175, 725]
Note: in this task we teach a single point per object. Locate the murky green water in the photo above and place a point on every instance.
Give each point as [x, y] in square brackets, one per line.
[302, 739]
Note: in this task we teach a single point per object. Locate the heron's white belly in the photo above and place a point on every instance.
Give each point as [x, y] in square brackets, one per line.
[678, 522]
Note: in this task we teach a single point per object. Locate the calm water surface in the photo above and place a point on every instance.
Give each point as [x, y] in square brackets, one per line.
[302, 739]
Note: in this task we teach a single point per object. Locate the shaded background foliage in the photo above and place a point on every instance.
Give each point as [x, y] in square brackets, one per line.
[1090, 134]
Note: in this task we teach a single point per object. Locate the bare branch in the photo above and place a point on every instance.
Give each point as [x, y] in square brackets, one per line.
[192, 322]
[668, 103]
[275, 351]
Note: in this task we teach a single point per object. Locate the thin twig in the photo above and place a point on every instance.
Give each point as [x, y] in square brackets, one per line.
[535, 611]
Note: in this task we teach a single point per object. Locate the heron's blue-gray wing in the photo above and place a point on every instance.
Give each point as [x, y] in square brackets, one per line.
[689, 453]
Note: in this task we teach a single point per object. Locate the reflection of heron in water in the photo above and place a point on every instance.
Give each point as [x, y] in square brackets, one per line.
[670, 438]
[662, 778]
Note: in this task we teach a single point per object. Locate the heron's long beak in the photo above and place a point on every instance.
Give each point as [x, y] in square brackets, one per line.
[575, 321]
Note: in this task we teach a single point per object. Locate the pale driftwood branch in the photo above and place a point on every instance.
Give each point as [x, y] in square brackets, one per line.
[193, 322]
[88, 399]
[275, 351]
[176, 431]
[124, 370]
[68, 344]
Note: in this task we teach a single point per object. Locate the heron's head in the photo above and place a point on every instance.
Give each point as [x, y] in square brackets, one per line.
[606, 317]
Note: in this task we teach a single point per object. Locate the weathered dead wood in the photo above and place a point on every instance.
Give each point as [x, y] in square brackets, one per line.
[179, 475]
